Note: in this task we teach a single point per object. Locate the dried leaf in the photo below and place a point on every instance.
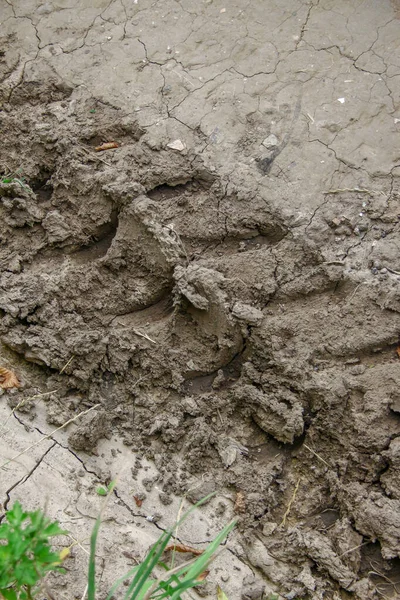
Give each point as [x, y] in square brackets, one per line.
[220, 594]
[138, 501]
[203, 575]
[106, 146]
[184, 548]
[398, 351]
[240, 504]
[65, 552]
[8, 379]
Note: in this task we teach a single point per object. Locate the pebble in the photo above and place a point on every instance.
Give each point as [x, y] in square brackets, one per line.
[271, 141]
[177, 145]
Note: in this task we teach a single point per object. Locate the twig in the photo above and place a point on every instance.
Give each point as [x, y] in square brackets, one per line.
[392, 271]
[85, 592]
[352, 549]
[143, 335]
[95, 157]
[183, 77]
[292, 499]
[77, 543]
[220, 418]
[143, 378]
[23, 402]
[183, 548]
[356, 190]
[46, 437]
[178, 518]
[67, 364]
[353, 293]
[394, 584]
[317, 455]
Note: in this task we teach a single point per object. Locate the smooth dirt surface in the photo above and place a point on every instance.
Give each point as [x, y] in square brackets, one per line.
[224, 285]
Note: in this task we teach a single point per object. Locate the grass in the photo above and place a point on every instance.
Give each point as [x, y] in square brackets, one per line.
[141, 582]
[13, 177]
[26, 557]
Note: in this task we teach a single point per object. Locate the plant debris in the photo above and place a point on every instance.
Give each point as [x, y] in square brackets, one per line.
[240, 504]
[8, 379]
[184, 548]
[138, 501]
[106, 146]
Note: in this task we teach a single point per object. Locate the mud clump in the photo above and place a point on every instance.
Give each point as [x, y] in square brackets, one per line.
[215, 336]
[92, 427]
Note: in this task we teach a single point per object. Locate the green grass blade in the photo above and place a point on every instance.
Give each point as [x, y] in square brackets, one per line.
[191, 577]
[147, 566]
[93, 543]
[150, 562]
[187, 577]
[119, 581]
[92, 560]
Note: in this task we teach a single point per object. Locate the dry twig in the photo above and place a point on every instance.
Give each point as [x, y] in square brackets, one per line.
[46, 437]
[289, 507]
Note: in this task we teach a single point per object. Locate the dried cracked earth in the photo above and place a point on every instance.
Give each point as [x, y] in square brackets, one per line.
[221, 290]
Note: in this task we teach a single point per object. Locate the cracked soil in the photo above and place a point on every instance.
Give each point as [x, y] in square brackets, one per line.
[224, 285]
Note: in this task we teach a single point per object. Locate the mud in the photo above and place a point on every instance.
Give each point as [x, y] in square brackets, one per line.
[226, 283]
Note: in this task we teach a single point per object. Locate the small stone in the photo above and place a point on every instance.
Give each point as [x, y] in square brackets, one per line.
[336, 222]
[248, 314]
[271, 141]
[269, 528]
[177, 145]
[384, 270]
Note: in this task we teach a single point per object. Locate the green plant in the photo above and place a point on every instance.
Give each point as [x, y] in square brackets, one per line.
[25, 552]
[103, 491]
[13, 178]
[140, 581]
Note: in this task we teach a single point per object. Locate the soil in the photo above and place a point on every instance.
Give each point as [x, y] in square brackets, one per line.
[222, 289]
